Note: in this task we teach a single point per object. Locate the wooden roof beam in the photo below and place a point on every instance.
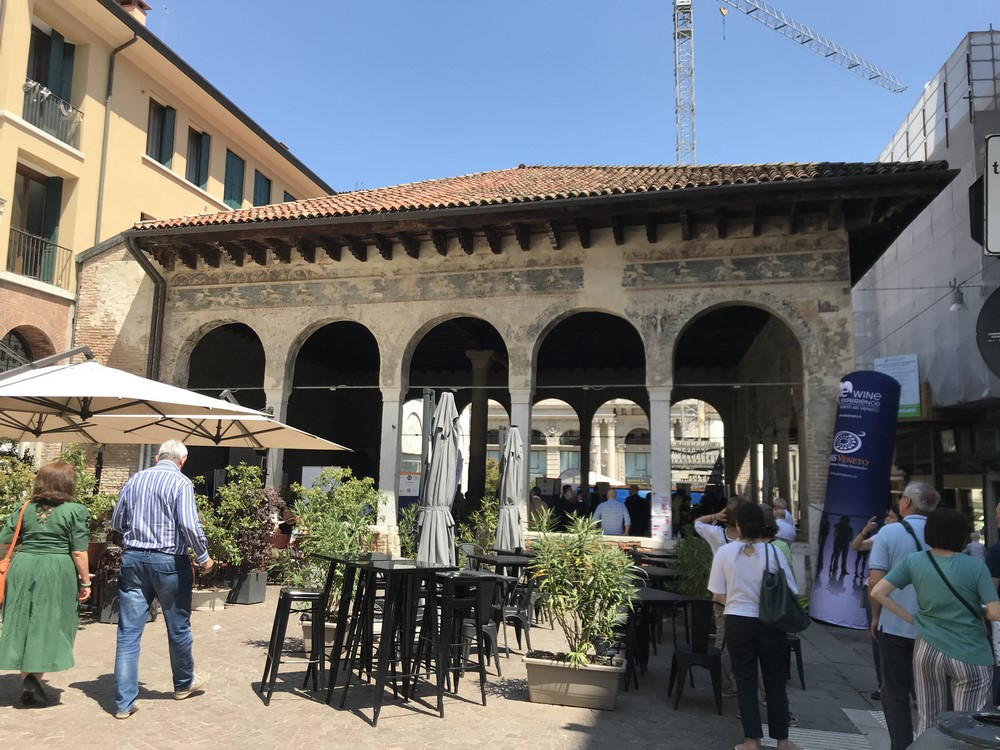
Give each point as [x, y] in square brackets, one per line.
[583, 232]
[493, 240]
[835, 216]
[720, 223]
[188, 257]
[281, 249]
[306, 251]
[758, 218]
[553, 232]
[410, 244]
[684, 219]
[333, 248]
[650, 222]
[793, 217]
[465, 240]
[166, 258]
[210, 255]
[384, 246]
[440, 240]
[357, 248]
[523, 234]
[236, 253]
[618, 229]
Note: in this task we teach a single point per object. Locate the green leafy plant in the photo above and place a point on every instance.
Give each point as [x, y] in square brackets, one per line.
[335, 517]
[694, 562]
[544, 521]
[589, 585]
[408, 530]
[17, 477]
[247, 509]
[99, 504]
[481, 528]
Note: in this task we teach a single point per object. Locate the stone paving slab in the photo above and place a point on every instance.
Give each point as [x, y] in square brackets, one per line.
[231, 645]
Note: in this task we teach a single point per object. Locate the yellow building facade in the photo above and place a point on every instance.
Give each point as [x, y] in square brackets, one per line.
[101, 126]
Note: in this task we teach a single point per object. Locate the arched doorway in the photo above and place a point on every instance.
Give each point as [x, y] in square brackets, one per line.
[335, 394]
[468, 356]
[746, 363]
[228, 361]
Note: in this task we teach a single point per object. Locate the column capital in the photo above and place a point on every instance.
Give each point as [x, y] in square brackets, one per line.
[660, 392]
[480, 358]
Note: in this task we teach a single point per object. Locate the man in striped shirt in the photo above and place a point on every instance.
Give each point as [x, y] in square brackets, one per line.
[158, 520]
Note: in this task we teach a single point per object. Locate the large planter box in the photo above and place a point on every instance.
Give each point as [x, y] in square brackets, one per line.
[329, 633]
[108, 605]
[208, 600]
[557, 683]
[248, 588]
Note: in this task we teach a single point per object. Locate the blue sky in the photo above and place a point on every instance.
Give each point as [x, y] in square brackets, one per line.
[380, 93]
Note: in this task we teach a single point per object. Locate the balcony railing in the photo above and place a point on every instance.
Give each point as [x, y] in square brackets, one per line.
[37, 258]
[694, 453]
[49, 113]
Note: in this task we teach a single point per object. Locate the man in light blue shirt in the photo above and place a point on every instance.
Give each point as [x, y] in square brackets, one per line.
[896, 636]
[158, 520]
[613, 515]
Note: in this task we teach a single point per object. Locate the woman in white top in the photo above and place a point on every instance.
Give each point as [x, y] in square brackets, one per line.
[737, 570]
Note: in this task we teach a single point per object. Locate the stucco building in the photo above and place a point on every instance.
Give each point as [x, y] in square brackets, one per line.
[728, 284]
[102, 125]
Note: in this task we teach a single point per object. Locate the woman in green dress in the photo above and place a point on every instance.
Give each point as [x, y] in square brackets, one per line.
[48, 576]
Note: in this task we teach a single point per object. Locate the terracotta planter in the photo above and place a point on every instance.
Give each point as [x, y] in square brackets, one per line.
[557, 683]
[330, 632]
[209, 600]
[94, 552]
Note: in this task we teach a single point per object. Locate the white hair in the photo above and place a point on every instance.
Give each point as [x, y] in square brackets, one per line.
[173, 450]
[780, 502]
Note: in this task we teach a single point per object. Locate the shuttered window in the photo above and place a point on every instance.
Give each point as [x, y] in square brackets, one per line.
[199, 146]
[160, 132]
[288, 198]
[261, 189]
[233, 191]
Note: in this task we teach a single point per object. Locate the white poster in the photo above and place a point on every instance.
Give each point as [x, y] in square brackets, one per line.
[904, 370]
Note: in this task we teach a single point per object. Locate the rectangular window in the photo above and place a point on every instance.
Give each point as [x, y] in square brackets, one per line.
[233, 190]
[538, 464]
[569, 459]
[35, 213]
[636, 465]
[160, 132]
[261, 189]
[199, 146]
[50, 62]
[288, 198]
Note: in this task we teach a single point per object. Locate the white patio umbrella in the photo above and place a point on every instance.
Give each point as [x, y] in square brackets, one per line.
[510, 533]
[435, 525]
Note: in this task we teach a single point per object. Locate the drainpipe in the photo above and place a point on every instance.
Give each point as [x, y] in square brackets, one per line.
[107, 128]
[159, 297]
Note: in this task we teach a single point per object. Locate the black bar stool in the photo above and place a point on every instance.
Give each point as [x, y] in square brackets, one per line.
[286, 599]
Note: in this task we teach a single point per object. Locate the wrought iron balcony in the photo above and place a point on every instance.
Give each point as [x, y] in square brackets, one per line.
[49, 113]
[39, 259]
[694, 453]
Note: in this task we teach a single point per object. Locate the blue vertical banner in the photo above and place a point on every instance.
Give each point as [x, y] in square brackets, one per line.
[857, 488]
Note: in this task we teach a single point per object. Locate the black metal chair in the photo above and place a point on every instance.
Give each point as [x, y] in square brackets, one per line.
[517, 610]
[697, 649]
[795, 646]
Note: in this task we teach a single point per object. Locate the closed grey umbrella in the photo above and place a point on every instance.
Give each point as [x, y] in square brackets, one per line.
[510, 533]
[435, 526]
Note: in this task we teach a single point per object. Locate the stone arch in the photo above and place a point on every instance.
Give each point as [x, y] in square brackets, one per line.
[36, 342]
[182, 354]
[294, 347]
[418, 334]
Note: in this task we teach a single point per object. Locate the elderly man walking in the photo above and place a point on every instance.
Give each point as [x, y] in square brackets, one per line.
[895, 636]
[158, 520]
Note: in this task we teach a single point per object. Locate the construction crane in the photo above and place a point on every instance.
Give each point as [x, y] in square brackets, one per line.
[773, 19]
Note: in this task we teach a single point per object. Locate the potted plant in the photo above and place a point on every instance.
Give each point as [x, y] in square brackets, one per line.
[247, 510]
[589, 586]
[210, 593]
[17, 477]
[335, 516]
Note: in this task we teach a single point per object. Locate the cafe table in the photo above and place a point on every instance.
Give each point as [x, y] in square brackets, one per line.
[501, 562]
[355, 618]
[651, 600]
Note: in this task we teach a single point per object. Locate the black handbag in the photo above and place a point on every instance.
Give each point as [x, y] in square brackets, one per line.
[778, 606]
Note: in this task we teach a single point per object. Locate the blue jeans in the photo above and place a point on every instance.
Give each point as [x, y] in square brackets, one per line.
[146, 576]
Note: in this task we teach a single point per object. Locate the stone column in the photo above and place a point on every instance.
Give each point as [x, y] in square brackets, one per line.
[598, 446]
[659, 439]
[586, 438]
[767, 438]
[753, 491]
[784, 465]
[520, 417]
[609, 449]
[478, 425]
[276, 400]
[390, 455]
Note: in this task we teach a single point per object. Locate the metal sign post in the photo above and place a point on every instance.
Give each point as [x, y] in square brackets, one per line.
[991, 212]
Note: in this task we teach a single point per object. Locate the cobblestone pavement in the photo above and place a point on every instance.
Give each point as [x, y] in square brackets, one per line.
[231, 645]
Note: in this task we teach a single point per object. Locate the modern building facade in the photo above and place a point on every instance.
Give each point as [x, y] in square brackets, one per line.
[934, 288]
[101, 126]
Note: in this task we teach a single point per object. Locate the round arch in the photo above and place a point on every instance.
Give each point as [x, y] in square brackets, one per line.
[30, 342]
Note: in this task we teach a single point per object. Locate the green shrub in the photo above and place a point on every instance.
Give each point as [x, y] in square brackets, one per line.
[17, 477]
[694, 561]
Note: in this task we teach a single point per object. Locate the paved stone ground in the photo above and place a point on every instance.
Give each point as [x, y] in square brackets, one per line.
[230, 644]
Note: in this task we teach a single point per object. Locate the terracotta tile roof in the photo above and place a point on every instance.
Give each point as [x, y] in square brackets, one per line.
[536, 183]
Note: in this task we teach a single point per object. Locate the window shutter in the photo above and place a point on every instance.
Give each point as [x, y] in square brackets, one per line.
[54, 80]
[233, 195]
[53, 208]
[65, 90]
[206, 145]
[167, 137]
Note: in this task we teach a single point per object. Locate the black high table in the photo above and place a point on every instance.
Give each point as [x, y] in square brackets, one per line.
[649, 600]
[403, 579]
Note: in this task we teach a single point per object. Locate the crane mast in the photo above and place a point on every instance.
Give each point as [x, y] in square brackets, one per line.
[684, 81]
[775, 20]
